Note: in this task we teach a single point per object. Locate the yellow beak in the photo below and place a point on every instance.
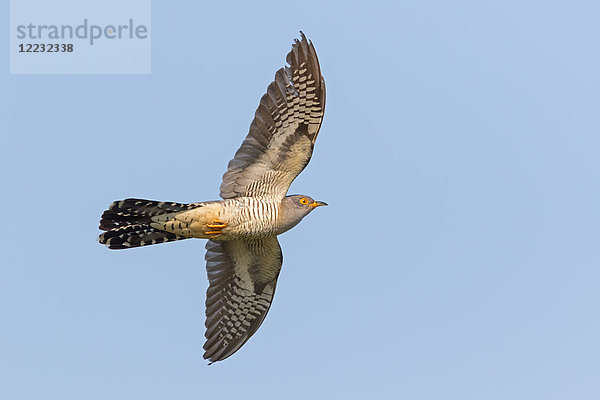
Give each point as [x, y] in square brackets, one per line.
[317, 204]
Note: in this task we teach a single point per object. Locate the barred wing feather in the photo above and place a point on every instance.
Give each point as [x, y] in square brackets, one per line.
[283, 132]
[242, 275]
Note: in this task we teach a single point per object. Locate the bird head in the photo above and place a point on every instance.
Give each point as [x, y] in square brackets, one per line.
[296, 207]
[303, 203]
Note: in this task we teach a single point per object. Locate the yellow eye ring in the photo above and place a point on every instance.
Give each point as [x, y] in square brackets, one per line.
[304, 201]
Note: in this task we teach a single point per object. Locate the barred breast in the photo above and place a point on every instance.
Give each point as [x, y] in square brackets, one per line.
[250, 216]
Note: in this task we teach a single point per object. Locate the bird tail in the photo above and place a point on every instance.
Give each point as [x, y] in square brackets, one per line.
[127, 223]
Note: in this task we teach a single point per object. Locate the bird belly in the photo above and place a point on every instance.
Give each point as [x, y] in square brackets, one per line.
[194, 223]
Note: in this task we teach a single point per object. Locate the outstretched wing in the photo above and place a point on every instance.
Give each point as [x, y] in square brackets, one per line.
[283, 132]
[242, 276]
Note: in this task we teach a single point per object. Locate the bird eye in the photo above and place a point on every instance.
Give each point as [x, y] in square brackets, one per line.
[304, 200]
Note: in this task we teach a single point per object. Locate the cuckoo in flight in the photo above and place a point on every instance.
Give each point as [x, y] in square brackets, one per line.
[243, 257]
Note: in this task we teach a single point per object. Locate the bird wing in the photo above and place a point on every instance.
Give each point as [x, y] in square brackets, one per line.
[283, 132]
[242, 275]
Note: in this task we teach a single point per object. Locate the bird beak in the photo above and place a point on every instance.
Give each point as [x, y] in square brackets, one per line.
[316, 204]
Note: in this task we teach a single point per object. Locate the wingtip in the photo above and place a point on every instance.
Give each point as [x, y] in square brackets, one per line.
[302, 38]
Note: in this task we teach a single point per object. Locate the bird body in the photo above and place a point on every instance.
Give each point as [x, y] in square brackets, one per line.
[241, 217]
[231, 219]
[243, 256]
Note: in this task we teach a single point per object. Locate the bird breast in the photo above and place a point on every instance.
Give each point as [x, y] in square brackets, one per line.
[249, 216]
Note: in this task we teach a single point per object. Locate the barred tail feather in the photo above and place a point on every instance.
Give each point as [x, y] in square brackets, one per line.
[130, 236]
[127, 223]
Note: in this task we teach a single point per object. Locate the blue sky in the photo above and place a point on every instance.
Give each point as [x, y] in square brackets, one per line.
[458, 258]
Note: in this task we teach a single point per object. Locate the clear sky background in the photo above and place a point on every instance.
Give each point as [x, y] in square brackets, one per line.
[458, 258]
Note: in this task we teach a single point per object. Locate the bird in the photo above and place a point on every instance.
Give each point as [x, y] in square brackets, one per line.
[243, 255]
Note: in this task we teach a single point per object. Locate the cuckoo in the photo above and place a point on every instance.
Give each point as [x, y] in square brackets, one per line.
[243, 256]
